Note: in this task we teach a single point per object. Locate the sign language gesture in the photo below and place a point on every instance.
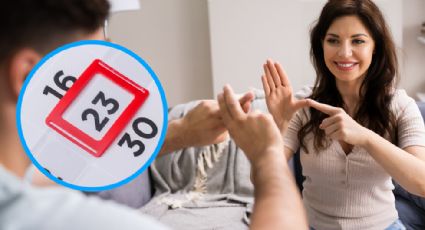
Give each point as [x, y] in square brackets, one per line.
[253, 132]
[275, 191]
[279, 98]
[339, 125]
[203, 125]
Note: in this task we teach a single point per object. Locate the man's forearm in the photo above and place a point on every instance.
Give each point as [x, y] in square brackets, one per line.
[174, 139]
[278, 202]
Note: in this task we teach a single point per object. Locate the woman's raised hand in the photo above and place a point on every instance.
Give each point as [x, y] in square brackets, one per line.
[279, 96]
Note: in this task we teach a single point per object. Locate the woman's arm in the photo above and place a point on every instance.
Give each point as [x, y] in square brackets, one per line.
[406, 166]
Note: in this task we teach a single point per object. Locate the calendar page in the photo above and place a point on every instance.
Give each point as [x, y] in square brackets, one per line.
[92, 115]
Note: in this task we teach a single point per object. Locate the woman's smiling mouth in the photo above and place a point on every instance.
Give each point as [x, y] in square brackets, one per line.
[345, 66]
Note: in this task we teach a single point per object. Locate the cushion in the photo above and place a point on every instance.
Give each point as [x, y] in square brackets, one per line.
[412, 217]
[134, 194]
[421, 106]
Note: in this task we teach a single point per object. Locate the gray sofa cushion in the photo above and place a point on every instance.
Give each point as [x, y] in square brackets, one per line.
[134, 194]
[421, 106]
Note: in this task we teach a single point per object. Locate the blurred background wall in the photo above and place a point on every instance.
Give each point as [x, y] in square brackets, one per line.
[195, 46]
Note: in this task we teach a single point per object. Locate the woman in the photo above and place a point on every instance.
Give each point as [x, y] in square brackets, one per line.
[357, 130]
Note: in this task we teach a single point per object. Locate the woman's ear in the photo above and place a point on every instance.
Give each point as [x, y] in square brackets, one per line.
[20, 65]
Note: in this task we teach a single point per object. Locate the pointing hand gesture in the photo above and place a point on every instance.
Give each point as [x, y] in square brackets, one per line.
[339, 125]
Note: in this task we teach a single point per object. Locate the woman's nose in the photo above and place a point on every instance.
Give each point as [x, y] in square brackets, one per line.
[345, 50]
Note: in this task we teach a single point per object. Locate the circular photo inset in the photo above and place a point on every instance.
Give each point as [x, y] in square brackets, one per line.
[92, 115]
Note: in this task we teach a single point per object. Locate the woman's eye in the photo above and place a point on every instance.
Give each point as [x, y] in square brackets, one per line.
[358, 41]
[332, 41]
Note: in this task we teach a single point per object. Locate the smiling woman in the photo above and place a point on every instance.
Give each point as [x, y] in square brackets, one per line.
[363, 39]
[359, 130]
[348, 50]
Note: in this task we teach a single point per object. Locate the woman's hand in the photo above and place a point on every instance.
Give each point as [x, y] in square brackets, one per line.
[339, 125]
[279, 97]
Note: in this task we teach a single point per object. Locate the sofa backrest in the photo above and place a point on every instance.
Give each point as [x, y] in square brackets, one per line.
[421, 106]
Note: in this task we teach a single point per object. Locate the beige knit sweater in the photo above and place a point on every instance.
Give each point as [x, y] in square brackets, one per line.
[353, 191]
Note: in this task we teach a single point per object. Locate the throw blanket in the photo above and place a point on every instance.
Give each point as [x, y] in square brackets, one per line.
[203, 188]
[207, 187]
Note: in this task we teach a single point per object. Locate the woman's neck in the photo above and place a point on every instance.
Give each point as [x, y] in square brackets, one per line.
[350, 93]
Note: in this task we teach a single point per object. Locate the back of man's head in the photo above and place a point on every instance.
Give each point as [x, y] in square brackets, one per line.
[46, 24]
[29, 29]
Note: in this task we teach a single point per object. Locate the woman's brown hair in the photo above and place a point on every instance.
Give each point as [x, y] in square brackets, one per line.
[376, 91]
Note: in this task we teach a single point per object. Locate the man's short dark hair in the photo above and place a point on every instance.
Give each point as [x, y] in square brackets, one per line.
[46, 24]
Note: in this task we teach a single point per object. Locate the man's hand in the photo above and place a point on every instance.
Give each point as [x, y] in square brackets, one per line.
[255, 133]
[277, 200]
[201, 126]
[279, 98]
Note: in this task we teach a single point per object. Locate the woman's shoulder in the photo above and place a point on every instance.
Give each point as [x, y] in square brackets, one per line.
[401, 101]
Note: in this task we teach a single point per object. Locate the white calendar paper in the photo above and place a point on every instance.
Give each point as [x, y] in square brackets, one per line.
[92, 116]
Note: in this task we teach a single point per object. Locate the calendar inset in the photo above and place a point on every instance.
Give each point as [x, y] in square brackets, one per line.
[97, 108]
[92, 115]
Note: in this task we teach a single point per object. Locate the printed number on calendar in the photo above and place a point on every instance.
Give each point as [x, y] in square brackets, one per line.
[98, 123]
[111, 106]
[62, 83]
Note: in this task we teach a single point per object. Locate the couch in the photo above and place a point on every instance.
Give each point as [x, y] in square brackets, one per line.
[411, 208]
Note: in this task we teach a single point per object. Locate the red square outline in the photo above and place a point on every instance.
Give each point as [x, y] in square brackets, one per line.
[55, 121]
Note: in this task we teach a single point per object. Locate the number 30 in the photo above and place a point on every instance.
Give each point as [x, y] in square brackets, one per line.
[131, 143]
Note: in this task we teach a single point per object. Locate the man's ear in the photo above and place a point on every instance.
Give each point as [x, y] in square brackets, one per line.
[20, 65]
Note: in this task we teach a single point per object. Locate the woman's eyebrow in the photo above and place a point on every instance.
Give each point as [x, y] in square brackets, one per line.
[353, 36]
[333, 35]
[359, 35]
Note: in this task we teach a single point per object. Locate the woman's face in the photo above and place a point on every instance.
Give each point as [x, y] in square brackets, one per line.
[348, 49]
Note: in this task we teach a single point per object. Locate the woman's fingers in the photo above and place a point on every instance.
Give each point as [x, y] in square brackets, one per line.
[331, 129]
[336, 135]
[282, 75]
[274, 73]
[266, 86]
[275, 76]
[330, 120]
[330, 110]
[269, 77]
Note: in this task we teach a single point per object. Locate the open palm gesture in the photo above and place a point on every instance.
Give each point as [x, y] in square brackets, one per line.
[279, 96]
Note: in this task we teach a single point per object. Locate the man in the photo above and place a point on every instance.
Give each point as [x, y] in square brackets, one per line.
[30, 30]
